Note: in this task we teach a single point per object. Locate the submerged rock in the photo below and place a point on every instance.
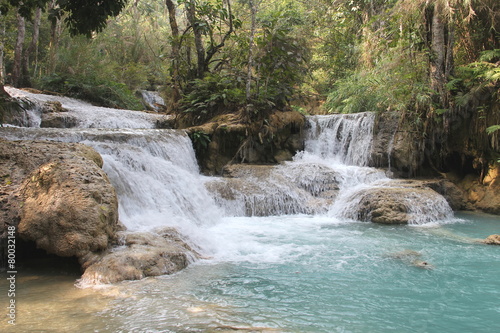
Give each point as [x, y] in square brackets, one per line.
[411, 257]
[138, 255]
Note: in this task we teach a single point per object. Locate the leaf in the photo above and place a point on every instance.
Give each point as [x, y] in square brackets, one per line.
[492, 129]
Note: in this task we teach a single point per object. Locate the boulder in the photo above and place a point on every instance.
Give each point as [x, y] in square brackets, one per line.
[492, 240]
[397, 203]
[58, 120]
[451, 192]
[58, 196]
[137, 255]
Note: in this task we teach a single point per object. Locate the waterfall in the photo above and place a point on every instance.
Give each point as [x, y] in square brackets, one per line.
[81, 114]
[152, 100]
[343, 143]
[158, 183]
[346, 138]
[154, 172]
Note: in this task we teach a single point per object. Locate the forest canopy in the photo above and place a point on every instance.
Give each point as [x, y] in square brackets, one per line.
[426, 59]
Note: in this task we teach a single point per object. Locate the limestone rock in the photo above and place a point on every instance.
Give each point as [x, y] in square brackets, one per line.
[483, 196]
[384, 131]
[58, 120]
[398, 205]
[262, 190]
[492, 240]
[225, 140]
[451, 192]
[138, 255]
[58, 196]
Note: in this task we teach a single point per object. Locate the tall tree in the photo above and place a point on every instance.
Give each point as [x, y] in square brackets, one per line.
[18, 50]
[32, 49]
[81, 16]
[253, 27]
[175, 54]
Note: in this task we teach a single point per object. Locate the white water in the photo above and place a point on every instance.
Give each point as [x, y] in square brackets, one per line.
[85, 114]
[154, 172]
[152, 100]
[346, 139]
[158, 182]
[301, 273]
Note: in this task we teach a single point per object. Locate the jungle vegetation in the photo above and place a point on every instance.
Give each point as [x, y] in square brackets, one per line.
[435, 62]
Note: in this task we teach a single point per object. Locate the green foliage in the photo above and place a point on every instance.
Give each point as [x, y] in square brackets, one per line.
[394, 83]
[81, 16]
[88, 16]
[212, 95]
[200, 140]
[91, 89]
[280, 58]
[492, 129]
[477, 79]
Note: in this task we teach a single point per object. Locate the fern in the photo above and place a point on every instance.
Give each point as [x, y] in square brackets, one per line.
[492, 129]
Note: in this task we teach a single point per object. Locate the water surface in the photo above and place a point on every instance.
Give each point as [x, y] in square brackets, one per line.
[292, 274]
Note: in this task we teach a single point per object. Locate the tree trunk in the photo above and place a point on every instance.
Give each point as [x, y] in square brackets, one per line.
[55, 34]
[176, 93]
[198, 40]
[438, 51]
[213, 49]
[18, 50]
[32, 49]
[253, 11]
[2, 48]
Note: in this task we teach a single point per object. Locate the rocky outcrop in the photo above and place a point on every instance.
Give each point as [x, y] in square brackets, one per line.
[57, 196]
[394, 147]
[55, 116]
[452, 193]
[485, 195]
[263, 190]
[472, 180]
[138, 255]
[492, 240]
[398, 202]
[226, 140]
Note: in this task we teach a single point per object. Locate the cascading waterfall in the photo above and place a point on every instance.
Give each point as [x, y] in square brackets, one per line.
[345, 138]
[158, 182]
[303, 273]
[329, 176]
[83, 114]
[154, 172]
[344, 143]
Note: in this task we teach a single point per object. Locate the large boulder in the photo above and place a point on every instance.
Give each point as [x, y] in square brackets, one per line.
[492, 240]
[397, 203]
[138, 255]
[57, 196]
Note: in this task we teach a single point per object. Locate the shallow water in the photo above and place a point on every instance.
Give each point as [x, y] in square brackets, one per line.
[291, 274]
